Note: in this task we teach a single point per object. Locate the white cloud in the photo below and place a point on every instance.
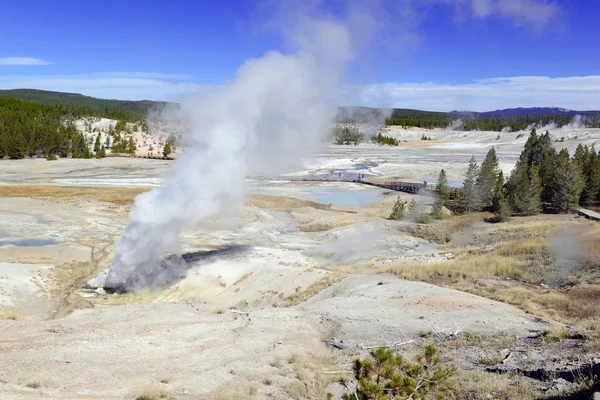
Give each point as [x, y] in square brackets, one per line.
[536, 14]
[577, 92]
[113, 85]
[23, 61]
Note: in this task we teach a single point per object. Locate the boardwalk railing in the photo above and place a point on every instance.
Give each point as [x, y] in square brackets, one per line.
[135, 156]
[398, 186]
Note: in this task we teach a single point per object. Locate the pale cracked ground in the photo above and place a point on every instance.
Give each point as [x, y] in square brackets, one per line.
[251, 323]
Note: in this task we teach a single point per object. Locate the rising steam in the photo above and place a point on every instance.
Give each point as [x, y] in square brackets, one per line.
[276, 112]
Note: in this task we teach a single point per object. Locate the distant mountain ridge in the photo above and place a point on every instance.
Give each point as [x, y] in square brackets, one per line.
[533, 111]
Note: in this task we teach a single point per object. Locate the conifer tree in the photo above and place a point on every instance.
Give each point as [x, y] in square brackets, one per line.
[532, 203]
[500, 205]
[442, 191]
[399, 210]
[546, 171]
[442, 195]
[468, 200]
[131, 147]
[518, 185]
[97, 144]
[101, 153]
[591, 192]
[167, 150]
[568, 184]
[486, 179]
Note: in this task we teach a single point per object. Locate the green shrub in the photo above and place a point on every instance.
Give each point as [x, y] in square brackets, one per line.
[399, 210]
[390, 376]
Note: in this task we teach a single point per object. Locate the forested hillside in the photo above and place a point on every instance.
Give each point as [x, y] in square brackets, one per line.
[483, 121]
[29, 129]
[130, 111]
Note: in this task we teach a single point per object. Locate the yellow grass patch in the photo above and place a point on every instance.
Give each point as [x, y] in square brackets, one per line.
[313, 290]
[482, 265]
[105, 194]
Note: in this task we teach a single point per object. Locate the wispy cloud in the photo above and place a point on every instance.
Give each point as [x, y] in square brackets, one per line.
[23, 61]
[536, 14]
[113, 85]
[576, 92]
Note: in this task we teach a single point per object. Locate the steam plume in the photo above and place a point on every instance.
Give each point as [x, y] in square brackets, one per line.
[274, 113]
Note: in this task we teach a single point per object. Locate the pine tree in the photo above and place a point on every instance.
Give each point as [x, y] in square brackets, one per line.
[546, 171]
[442, 191]
[592, 184]
[399, 210]
[518, 185]
[568, 184]
[97, 144]
[413, 209]
[131, 147]
[107, 143]
[532, 203]
[442, 195]
[500, 206]
[486, 180]
[167, 150]
[101, 153]
[437, 210]
[468, 200]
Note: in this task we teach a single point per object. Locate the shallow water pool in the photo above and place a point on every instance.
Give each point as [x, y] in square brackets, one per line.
[28, 242]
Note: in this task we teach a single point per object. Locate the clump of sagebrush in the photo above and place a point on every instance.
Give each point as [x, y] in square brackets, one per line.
[391, 376]
[399, 210]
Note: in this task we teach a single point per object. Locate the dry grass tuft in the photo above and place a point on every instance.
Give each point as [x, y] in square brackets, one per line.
[243, 278]
[121, 196]
[283, 203]
[10, 314]
[483, 385]
[33, 385]
[314, 289]
[152, 393]
[308, 369]
[481, 265]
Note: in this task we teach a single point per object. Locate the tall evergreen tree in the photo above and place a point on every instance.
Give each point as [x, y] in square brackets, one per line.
[592, 184]
[468, 200]
[487, 178]
[518, 185]
[546, 171]
[101, 152]
[532, 203]
[97, 144]
[442, 195]
[568, 184]
[167, 150]
[500, 205]
[442, 190]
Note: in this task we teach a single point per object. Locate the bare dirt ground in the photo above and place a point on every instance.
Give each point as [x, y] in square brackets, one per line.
[314, 265]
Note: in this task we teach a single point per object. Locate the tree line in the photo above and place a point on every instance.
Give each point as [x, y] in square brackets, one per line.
[29, 129]
[496, 123]
[543, 179]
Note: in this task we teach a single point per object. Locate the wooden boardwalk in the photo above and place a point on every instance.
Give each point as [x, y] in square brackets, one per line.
[398, 186]
[589, 214]
[134, 156]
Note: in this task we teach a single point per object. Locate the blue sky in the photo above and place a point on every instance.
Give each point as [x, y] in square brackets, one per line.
[430, 54]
